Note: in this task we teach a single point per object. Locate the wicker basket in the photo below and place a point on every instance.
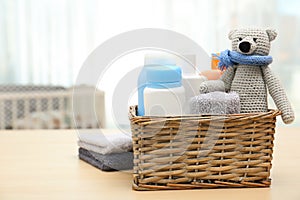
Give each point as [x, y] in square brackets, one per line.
[190, 152]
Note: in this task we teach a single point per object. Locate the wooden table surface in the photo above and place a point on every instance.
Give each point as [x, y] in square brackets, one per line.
[43, 164]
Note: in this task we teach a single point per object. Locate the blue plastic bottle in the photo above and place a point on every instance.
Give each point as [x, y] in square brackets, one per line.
[164, 94]
[150, 60]
[142, 80]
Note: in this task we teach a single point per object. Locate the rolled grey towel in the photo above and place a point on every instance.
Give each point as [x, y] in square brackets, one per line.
[109, 162]
[215, 103]
[212, 86]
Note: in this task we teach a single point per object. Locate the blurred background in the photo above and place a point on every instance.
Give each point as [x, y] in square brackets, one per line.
[45, 42]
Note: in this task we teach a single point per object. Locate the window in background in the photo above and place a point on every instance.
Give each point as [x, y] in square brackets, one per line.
[46, 41]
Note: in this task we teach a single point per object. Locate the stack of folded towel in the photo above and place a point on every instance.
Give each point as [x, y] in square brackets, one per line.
[106, 151]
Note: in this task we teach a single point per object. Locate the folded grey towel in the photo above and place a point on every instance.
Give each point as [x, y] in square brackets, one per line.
[215, 103]
[109, 162]
[105, 143]
[95, 163]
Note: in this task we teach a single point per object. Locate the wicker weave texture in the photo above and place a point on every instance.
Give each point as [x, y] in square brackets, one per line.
[191, 152]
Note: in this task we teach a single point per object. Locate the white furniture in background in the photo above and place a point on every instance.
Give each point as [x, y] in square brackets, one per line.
[51, 109]
[88, 107]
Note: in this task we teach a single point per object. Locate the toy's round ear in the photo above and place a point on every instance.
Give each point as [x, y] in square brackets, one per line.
[231, 33]
[272, 34]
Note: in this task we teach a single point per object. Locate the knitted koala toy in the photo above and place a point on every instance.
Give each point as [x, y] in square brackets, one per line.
[248, 74]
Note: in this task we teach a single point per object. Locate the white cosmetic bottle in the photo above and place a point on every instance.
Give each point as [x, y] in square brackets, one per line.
[164, 94]
[191, 79]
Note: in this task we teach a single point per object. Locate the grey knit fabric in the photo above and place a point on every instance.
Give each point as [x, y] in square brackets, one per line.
[215, 103]
[263, 38]
[277, 93]
[251, 82]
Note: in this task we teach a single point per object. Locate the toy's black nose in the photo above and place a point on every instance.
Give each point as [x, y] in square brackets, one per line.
[245, 47]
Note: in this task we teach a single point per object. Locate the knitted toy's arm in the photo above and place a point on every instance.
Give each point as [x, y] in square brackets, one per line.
[228, 76]
[223, 84]
[278, 94]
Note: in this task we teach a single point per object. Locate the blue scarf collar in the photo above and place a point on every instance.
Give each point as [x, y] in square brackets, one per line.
[229, 58]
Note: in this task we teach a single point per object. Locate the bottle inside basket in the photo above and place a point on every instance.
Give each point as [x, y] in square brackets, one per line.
[151, 60]
[191, 79]
[164, 94]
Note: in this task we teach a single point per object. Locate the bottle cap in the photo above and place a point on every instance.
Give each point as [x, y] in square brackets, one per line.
[167, 75]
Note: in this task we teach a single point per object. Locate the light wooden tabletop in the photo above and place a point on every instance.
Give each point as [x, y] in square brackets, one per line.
[43, 164]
